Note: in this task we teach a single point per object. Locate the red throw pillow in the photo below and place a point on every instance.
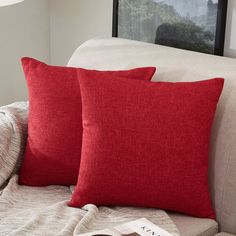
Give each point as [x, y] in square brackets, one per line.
[55, 127]
[146, 144]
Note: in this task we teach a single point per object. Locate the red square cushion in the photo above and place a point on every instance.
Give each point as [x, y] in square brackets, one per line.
[146, 144]
[55, 127]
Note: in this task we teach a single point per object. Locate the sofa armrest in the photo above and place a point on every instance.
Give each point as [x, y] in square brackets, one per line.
[13, 135]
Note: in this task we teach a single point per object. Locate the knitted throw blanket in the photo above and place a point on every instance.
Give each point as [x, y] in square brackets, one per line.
[13, 134]
[44, 211]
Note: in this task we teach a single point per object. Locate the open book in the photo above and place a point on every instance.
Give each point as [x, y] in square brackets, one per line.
[142, 227]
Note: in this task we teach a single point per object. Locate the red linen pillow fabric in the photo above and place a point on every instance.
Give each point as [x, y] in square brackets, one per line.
[146, 144]
[53, 149]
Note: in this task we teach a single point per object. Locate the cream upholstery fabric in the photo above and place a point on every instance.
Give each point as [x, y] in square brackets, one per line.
[180, 65]
[192, 226]
[225, 234]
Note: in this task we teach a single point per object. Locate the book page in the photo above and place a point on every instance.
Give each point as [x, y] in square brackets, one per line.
[140, 227]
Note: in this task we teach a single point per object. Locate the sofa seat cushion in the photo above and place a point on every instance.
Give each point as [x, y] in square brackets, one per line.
[193, 226]
[225, 234]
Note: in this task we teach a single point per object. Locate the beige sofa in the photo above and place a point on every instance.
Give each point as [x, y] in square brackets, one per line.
[172, 65]
[180, 65]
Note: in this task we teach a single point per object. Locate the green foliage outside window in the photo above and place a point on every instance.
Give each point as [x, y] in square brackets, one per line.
[157, 22]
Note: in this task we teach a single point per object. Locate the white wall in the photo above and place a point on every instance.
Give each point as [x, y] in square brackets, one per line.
[75, 21]
[24, 31]
[230, 39]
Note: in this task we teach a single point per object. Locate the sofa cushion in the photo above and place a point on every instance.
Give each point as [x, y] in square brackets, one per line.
[146, 139]
[55, 127]
[192, 226]
[225, 234]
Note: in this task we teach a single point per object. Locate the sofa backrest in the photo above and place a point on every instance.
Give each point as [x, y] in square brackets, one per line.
[181, 65]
